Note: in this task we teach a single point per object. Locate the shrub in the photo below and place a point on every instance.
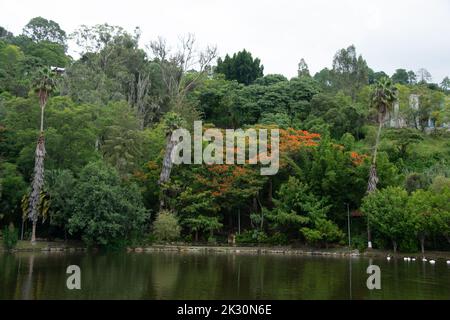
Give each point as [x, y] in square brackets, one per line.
[166, 226]
[278, 238]
[359, 242]
[107, 210]
[388, 214]
[212, 240]
[10, 237]
[251, 237]
[415, 181]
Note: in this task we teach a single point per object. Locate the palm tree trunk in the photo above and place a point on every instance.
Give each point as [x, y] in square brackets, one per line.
[373, 176]
[38, 177]
[42, 118]
[33, 233]
[377, 141]
[38, 182]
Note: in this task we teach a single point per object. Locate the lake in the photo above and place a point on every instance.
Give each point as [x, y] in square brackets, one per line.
[172, 275]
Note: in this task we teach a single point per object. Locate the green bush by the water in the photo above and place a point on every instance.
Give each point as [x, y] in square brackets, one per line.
[10, 237]
[166, 227]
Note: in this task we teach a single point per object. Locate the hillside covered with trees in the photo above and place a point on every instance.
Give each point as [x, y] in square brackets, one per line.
[84, 145]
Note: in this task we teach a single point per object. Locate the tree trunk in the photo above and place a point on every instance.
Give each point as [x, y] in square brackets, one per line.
[21, 232]
[255, 205]
[38, 177]
[377, 141]
[38, 183]
[422, 243]
[33, 233]
[239, 221]
[167, 161]
[166, 168]
[42, 118]
[394, 244]
[373, 176]
[262, 212]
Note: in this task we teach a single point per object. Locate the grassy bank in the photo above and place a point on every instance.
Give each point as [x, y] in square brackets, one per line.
[25, 245]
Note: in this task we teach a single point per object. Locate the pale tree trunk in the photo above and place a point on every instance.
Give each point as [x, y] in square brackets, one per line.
[422, 243]
[377, 141]
[38, 182]
[394, 244]
[166, 168]
[38, 173]
[373, 176]
[138, 92]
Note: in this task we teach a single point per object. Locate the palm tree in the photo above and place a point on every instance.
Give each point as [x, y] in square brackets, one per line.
[43, 84]
[384, 95]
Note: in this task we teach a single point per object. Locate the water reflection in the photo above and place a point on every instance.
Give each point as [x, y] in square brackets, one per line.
[215, 276]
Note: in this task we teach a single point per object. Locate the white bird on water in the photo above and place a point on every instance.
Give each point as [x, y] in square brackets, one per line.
[413, 259]
[424, 259]
[448, 261]
[389, 259]
[432, 261]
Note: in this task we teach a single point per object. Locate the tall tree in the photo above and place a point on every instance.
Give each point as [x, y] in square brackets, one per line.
[113, 66]
[412, 78]
[350, 71]
[400, 76]
[5, 33]
[445, 84]
[384, 95]
[423, 75]
[179, 79]
[299, 212]
[241, 67]
[303, 70]
[375, 76]
[44, 84]
[40, 29]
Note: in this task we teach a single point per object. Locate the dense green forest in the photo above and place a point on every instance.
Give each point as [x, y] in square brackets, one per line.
[84, 143]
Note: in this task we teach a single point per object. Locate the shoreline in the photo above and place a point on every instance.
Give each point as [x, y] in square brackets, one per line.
[46, 247]
[287, 251]
[251, 250]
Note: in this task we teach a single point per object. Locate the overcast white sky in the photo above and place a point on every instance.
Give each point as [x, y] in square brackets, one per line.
[389, 34]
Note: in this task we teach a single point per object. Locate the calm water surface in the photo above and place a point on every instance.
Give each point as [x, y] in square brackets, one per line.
[216, 276]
